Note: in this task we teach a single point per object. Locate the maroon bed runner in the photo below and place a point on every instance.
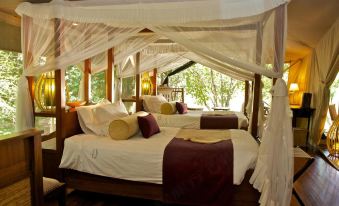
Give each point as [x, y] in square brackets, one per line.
[198, 174]
[227, 121]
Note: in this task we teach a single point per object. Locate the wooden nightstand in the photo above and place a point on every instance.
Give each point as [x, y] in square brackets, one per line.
[302, 113]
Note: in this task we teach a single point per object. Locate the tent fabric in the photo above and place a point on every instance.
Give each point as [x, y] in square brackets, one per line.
[237, 37]
[323, 70]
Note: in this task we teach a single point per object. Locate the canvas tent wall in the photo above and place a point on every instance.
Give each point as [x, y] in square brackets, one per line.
[237, 36]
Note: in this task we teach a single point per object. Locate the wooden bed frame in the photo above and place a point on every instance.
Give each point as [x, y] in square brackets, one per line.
[244, 194]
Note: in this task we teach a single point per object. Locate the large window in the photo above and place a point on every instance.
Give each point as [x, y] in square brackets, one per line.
[11, 67]
[73, 79]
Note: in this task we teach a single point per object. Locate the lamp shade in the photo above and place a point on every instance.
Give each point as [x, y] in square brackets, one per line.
[294, 87]
[146, 84]
[44, 92]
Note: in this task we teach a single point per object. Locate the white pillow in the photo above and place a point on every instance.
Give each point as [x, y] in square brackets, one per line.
[109, 112]
[86, 117]
[153, 103]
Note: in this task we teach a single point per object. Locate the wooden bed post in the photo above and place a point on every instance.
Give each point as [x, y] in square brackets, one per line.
[154, 81]
[109, 74]
[137, 82]
[87, 72]
[247, 88]
[256, 92]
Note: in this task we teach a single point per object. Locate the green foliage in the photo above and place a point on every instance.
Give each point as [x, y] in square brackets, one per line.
[334, 87]
[208, 87]
[98, 86]
[10, 70]
[73, 78]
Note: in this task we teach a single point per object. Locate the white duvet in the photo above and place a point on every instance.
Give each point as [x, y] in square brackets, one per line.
[192, 119]
[140, 159]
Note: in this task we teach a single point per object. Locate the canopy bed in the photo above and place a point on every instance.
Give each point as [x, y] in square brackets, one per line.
[236, 38]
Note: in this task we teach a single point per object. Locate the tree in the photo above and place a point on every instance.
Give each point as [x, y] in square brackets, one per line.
[208, 87]
[10, 70]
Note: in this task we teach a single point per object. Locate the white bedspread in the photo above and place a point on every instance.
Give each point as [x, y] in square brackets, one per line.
[140, 159]
[192, 119]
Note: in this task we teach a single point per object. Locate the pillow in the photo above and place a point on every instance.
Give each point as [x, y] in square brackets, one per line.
[168, 108]
[108, 112]
[181, 107]
[148, 125]
[86, 117]
[126, 127]
[153, 103]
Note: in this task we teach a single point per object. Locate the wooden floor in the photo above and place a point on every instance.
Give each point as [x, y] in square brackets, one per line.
[318, 186]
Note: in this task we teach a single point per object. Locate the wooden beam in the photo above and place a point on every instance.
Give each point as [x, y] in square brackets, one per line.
[109, 75]
[87, 82]
[10, 19]
[256, 92]
[154, 81]
[247, 89]
[137, 82]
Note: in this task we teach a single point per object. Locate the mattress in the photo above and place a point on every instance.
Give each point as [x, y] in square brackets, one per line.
[140, 159]
[192, 119]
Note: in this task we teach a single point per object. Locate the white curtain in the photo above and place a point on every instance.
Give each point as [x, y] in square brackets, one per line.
[273, 174]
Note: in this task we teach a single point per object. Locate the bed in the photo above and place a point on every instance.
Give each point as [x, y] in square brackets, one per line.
[192, 119]
[168, 115]
[134, 167]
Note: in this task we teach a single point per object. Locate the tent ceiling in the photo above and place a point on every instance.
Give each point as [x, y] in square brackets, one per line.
[308, 21]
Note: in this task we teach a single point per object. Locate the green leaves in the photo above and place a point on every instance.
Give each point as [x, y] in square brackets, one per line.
[11, 67]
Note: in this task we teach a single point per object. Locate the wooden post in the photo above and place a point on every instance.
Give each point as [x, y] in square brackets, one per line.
[109, 75]
[137, 82]
[154, 81]
[247, 88]
[256, 92]
[87, 73]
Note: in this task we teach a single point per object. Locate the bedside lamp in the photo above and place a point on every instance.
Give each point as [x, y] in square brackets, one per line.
[146, 84]
[293, 88]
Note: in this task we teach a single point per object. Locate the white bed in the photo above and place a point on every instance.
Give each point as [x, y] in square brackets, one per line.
[140, 159]
[192, 119]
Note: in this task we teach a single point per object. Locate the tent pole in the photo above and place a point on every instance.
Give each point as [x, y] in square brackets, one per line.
[109, 74]
[137, 82]
[87, 73]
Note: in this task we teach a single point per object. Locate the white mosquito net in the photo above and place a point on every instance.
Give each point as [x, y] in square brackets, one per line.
[239, 38]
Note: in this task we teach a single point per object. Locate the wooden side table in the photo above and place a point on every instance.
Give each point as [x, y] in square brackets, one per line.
[302, 113]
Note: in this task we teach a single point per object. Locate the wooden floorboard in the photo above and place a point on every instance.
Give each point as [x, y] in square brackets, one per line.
[318, 186]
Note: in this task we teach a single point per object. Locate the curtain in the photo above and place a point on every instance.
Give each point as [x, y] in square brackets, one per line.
[323, 70]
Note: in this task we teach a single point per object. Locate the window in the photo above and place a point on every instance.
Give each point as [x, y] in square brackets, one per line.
[11, 67]
[98, 86]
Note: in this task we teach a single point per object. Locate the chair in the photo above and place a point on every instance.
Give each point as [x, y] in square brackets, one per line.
[53, 189]
[302, 161]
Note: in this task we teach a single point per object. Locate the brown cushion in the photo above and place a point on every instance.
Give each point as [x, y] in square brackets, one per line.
[181, 107]
[148, 125]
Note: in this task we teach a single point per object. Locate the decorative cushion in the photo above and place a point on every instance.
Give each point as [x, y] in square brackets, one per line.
[148, 125]
[168, 108]
[153, 103]
[108, 112]
[181, 107]
[126, 127]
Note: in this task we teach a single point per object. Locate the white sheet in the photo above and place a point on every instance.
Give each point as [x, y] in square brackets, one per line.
[140, 159]
[192, 119]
